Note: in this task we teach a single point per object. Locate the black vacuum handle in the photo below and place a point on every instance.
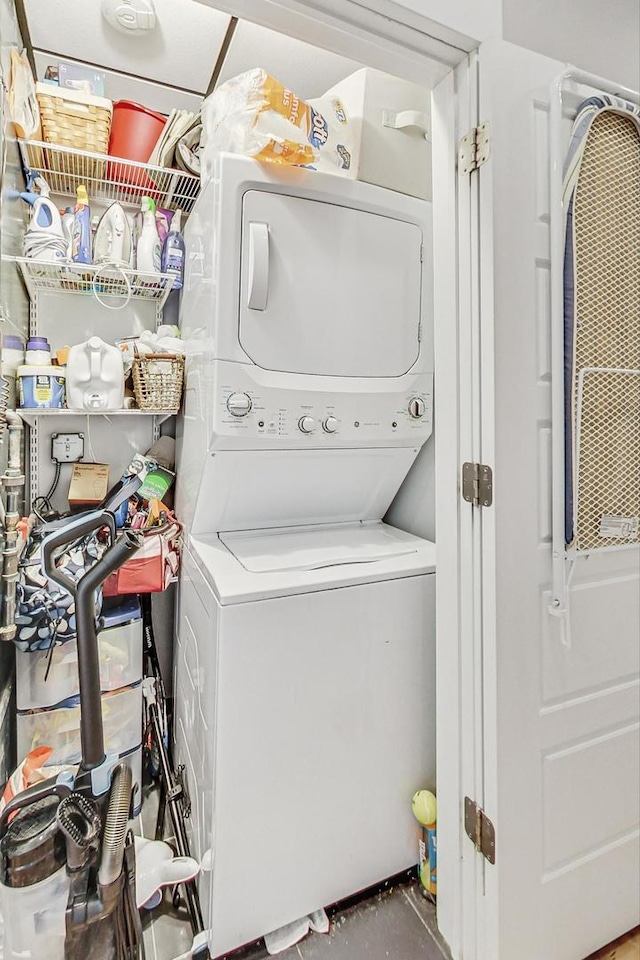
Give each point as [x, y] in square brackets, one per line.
[46, 788]
[71, 531]
[91, 732]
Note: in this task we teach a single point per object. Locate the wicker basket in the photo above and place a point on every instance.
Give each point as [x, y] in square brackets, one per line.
[77, 121]
[157, 381]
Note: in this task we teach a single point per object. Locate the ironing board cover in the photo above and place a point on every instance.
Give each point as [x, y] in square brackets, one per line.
[602, 326]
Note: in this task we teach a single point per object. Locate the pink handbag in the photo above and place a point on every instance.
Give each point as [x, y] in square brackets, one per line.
[153, 567]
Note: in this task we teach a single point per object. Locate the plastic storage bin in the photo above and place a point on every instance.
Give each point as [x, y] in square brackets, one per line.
[37, 927]
[134, 131]
[60, 728]
[389, 121]
[45, 678]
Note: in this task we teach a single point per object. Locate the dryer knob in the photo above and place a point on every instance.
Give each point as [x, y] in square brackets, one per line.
[239, 404]
[330, 425]
[307, 424]
[417, 407]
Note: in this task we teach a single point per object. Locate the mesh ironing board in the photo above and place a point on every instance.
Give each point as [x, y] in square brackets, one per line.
[602, 327]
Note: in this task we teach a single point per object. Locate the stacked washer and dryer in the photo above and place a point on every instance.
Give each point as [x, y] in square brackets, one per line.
[305, 652]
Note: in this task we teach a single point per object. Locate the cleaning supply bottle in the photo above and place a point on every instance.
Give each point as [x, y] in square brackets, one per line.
[68, 218]
[82, 227]
[173, 252]
[44, 238]
[95, 376]
[425, 807]
[148, 249]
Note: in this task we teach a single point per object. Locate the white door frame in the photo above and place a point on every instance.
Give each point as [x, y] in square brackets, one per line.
[411, 46]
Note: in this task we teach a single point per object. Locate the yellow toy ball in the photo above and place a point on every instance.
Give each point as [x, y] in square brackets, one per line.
[424, 806]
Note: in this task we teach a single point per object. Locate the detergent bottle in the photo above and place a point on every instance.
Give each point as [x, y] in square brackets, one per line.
[82, 227]
[95, 376]
[148, 249]
[173, 252]
[44, 238]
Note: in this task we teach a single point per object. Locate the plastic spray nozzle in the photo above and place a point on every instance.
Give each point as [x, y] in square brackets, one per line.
[148, 205]
[82, 196]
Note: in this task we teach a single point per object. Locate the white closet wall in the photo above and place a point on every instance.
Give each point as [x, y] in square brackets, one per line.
[598, 36]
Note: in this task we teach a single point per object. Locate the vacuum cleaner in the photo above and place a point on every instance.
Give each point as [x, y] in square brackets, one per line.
[67, 870]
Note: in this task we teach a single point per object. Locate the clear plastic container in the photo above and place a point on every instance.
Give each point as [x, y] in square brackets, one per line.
[38, 352]
[59, 728]
[12, 353]
[45, 678]
[34, 924]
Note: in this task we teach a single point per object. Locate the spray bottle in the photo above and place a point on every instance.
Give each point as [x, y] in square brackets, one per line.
[148, 249]
[173, 252]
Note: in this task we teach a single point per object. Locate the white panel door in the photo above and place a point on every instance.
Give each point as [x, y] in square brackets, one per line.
[328, 290]
[560, 693]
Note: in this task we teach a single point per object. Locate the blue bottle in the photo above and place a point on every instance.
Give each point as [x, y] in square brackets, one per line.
[173, 252]
[81, 240]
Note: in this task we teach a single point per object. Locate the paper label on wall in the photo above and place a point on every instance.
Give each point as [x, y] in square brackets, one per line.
[622, 528]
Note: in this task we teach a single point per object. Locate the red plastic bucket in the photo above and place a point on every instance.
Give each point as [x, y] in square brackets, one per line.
[134, 134]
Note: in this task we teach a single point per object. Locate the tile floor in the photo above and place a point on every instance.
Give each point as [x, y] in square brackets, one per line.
[397, 923]
[394, 922]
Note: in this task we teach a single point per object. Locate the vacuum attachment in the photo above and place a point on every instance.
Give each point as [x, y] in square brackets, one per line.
[79, 821]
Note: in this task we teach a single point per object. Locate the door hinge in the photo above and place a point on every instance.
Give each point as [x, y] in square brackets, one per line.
[474, 149]
[480, 830]
[477, 484]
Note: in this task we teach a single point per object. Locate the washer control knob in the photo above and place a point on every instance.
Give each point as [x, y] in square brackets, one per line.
[239, 404]
[416, 407]
[307, 424]
[330, 425]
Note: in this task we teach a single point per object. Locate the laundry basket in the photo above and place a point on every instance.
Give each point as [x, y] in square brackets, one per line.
[157, 381]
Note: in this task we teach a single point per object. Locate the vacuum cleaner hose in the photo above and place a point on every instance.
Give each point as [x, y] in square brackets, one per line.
[115, 827]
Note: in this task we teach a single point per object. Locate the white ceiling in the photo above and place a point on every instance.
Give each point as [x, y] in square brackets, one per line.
[306, 70]
[180, 53]
[181, 50]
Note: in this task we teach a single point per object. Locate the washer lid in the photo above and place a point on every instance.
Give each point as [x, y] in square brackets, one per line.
[316, 547]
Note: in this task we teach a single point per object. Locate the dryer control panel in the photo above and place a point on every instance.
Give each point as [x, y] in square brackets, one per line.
[252, 415]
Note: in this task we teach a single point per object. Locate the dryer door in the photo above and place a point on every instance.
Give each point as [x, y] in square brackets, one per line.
[328, 290]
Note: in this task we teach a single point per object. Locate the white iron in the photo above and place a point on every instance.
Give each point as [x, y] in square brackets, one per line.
[113, 242]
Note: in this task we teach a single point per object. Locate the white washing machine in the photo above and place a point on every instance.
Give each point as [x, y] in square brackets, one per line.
[305, 653]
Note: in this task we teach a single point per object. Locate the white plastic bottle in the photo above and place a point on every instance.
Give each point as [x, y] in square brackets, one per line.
[148, 249]
[95, 376]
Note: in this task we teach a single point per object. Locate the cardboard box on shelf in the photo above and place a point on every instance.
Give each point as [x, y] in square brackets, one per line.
[89, 483]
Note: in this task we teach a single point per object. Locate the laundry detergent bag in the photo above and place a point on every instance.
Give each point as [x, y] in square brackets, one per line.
[255, 115]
